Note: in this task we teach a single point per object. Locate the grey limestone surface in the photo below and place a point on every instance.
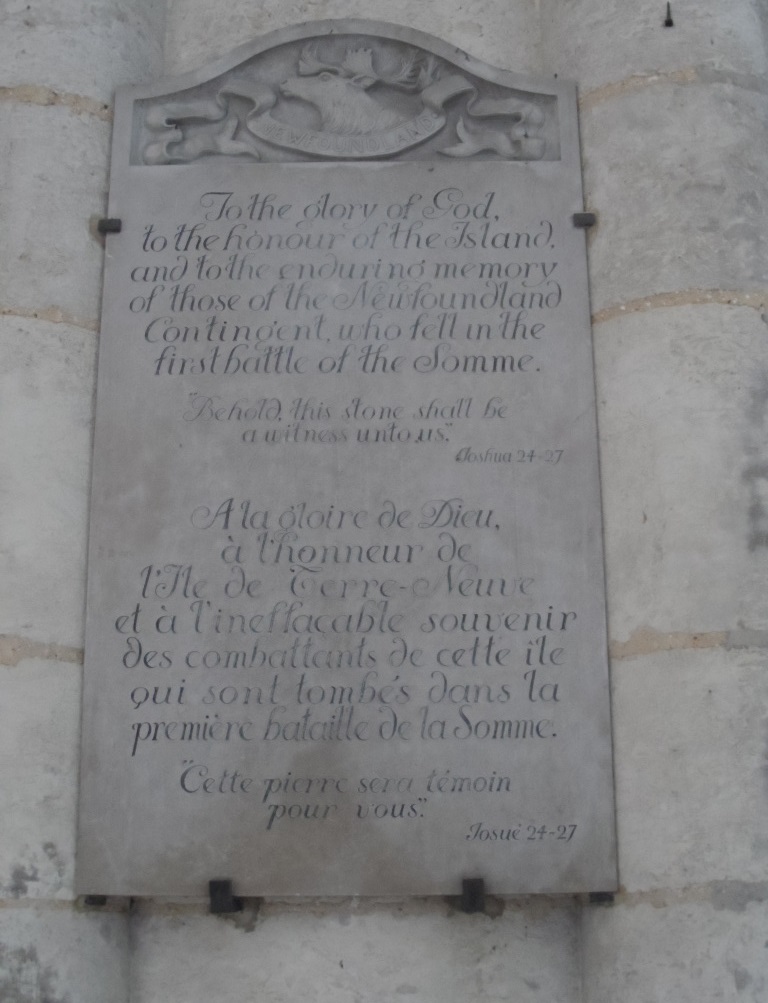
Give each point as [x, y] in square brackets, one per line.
[675, 152]
[346, 627]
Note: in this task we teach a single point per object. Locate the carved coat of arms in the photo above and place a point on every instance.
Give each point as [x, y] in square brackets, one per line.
[350, 98]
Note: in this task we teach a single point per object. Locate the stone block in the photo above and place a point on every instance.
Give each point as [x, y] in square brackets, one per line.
[80, 49]
[53, 188]
[718, 37]
[677, 176]
[690, 768]
[493, 30]
[46, 394]
[356, 950]
[683, 416]
[61, 955]
[689, 952]
[39, 730]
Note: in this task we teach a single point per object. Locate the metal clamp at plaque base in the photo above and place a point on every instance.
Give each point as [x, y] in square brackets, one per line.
[472, 895]
[222, 899]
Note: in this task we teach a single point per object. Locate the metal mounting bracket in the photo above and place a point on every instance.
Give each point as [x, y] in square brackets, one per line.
[221, 897]
[472, 895]
[583, 220]
[109, 225]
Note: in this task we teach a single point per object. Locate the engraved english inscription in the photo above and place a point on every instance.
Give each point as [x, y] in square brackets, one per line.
[346, 629]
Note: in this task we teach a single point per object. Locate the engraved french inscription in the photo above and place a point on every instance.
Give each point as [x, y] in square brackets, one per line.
[346, 626]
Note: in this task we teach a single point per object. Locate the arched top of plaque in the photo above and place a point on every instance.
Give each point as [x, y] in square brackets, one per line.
[348, 90]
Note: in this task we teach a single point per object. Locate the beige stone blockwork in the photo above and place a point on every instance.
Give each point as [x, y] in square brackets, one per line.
[46, 392]
[683, 394]
[57, 954]
[83, 49]
[599, 42]
[677, 176]
[693, 952]
[493, 30]
[352, 951]
[690, 741]
[39, 735]
[52, 188]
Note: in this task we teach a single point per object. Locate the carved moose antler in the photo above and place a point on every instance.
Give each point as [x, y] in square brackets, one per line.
[412, 73]
[309, 64]
[358, 64]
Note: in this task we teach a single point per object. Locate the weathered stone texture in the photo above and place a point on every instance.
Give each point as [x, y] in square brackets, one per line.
[490, 29]
[677, 175]
[690, 768]
[61, 955]
[681, 426]
[674, 144]
[39, 737]
[82, 49]
[353, 951]
[46, 392]
[703, 951]
[599, 42]
[54, 186]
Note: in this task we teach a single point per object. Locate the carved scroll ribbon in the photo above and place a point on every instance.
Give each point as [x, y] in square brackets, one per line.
[179, 142]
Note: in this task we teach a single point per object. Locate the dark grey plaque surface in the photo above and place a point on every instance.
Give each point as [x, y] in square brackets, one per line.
[346, 628]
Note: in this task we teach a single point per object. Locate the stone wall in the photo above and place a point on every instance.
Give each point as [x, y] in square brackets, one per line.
[675, 149]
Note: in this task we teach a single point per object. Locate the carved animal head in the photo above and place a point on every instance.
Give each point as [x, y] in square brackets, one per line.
[339, 90]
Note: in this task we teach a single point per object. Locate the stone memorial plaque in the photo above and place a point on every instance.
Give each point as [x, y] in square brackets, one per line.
[346, 611]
